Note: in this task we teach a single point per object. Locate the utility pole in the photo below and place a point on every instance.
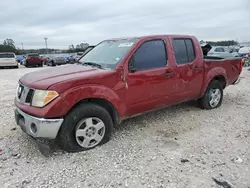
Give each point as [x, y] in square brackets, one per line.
[22, 45]
[46, 44]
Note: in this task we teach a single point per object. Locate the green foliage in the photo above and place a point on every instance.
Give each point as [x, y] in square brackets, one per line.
[8, 46]
[78, 48]
[223, 43]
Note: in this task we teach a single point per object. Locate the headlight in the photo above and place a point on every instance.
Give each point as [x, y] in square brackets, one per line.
[43, 97]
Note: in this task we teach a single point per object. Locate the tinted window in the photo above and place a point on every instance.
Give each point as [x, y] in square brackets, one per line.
[190, 49]
[183, 50]
[33, 55]
[7, 56]
[151, 54]
[180, 51]
[219, 50]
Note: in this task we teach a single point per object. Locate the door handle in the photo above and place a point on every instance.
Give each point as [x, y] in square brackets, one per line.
[168, 74]
[196, 68]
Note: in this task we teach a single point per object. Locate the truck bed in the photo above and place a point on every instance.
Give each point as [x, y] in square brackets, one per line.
[209, 58]
[232, 66]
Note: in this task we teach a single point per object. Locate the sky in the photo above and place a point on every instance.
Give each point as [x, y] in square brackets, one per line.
[66, 22]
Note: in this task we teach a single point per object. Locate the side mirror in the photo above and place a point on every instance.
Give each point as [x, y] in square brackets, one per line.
[132, 69]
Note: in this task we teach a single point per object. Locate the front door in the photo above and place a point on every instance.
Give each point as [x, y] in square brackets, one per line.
[150, 81]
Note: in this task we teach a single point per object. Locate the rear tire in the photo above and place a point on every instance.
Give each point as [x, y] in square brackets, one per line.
[26, 64]
[53, 64]
[68, 137]
[213, 96]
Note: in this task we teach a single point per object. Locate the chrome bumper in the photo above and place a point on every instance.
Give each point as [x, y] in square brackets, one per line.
[37, 127]
[237, 81]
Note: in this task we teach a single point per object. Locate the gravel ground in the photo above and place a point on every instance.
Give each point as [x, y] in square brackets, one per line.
[181, 146]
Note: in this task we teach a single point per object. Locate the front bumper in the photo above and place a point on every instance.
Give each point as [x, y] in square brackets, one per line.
[37, 127]
[58, 62]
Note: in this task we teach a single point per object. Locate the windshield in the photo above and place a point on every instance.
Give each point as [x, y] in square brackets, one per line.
[7, 56]
[33, 55]
[108, 53]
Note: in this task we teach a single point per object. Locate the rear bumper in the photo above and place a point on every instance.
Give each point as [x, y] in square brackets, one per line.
[30, 63]
[8, 64]
[236, 81]
[37, 127]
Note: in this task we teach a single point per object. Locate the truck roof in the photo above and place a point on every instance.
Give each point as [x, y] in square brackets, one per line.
[152, 36]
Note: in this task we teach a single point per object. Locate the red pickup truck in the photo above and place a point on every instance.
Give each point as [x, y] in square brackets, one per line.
[78, 105]
[32, 60]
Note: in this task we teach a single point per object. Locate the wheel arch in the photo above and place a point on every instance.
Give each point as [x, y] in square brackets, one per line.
[103, 103]
[218, 74]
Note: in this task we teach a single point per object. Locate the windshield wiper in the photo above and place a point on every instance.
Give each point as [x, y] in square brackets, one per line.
[93, 64]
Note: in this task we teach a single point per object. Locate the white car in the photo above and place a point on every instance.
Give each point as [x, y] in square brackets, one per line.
[244, 50]
[8, 59]
[220, 51]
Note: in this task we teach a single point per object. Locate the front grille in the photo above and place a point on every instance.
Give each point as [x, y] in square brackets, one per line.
[24, 94]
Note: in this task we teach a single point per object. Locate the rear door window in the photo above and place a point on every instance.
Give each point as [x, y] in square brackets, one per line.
[190, 50]
[183, 50]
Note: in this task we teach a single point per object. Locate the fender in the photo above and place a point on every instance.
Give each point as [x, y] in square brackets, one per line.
[79, 93]
[216, 71]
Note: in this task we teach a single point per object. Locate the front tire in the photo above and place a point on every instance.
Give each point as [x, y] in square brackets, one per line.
[213, 96]
[85, 127]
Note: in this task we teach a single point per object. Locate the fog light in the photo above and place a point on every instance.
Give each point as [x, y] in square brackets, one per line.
[33, 128]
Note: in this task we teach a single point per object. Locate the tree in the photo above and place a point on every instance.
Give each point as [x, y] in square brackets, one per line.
[84, 45]
[7, 48]
[223, 43]
[9, 42]
[71, 47]
[78, 48]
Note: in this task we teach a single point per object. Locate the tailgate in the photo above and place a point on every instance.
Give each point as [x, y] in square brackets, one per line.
[233, 68]
[34, 59]
[7, 61]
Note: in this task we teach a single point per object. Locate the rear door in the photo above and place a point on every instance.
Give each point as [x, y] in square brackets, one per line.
[150, 81]
[189, 68]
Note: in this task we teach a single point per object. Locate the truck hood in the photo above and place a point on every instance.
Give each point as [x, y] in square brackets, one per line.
[45, 78]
